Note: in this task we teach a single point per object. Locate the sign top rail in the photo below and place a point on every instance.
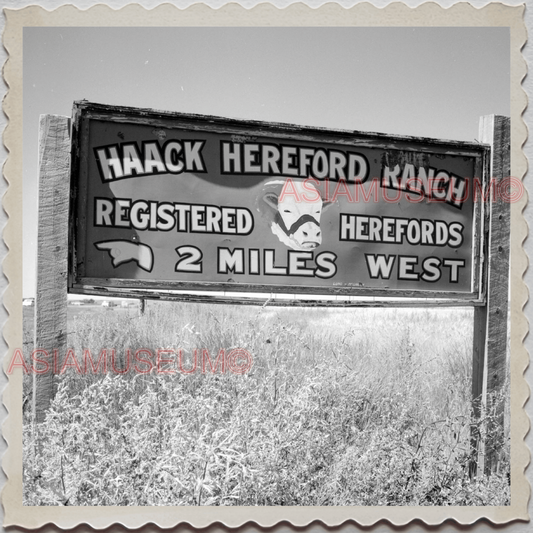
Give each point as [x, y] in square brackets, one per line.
[136, 114]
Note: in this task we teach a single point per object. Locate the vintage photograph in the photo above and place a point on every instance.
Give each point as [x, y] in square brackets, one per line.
[266, 266]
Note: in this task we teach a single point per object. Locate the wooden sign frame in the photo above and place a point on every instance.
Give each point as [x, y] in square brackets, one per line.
[80, 283]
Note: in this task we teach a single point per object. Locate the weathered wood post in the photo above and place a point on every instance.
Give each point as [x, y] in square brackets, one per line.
[491, 321]
[50, 332]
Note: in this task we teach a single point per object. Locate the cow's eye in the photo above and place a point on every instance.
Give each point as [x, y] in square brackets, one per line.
[286, 210]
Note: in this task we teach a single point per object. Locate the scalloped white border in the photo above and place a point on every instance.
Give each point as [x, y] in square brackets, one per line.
[396, 14]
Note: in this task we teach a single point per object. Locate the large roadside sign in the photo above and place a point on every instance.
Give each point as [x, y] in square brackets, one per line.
[165, 201]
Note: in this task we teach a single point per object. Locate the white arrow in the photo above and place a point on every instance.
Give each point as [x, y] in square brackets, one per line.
[124, 251]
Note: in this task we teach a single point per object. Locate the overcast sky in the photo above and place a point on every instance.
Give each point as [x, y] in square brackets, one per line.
[431, 82]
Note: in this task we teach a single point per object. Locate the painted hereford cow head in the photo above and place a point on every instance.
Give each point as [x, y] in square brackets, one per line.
[293, 210]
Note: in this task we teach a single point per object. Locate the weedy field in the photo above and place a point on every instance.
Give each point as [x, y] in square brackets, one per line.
[340, 407]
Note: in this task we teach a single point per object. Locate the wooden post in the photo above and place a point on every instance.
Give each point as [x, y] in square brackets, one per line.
[478, 375]
[491, 322]
[52, 254]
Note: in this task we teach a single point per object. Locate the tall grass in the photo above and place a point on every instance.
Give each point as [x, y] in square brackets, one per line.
[341, 407]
